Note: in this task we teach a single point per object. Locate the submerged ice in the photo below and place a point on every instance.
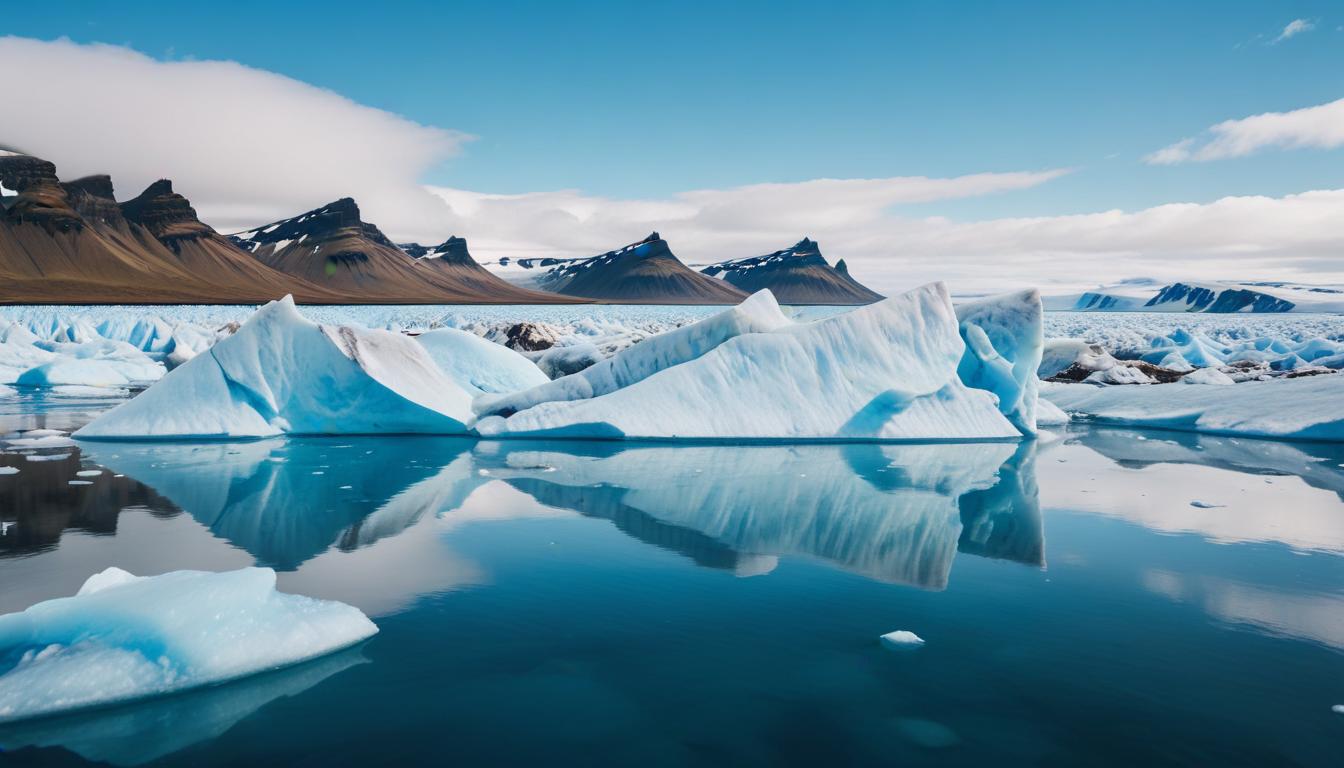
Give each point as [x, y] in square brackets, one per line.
[124, 637]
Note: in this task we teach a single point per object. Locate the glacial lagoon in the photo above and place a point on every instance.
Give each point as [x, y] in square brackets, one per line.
[616, 603]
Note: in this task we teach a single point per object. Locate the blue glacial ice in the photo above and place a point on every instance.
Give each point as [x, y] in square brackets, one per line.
[124, 637]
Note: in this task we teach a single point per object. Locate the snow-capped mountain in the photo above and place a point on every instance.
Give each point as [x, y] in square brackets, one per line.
[645, 272]
[795, 275]
[1147, 295]
[335, 248]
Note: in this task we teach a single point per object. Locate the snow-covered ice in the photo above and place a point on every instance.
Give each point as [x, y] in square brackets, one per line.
[1303, 408]
[124, 637]
[760, 313]
[887, 371]
[1004, 344]
[477, 365]
[281, 373]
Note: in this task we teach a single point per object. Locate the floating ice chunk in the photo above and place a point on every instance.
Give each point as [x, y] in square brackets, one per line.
[124, 637]
[902, 638]
[1207, 376]
[47, 441]
[887, 371]
[1305, 408]
[478, 365]
[9, 470]
[1004, 344]
[1204, 505]
[89, 473]
[758, 314]
[1338, 709]
[281, 373]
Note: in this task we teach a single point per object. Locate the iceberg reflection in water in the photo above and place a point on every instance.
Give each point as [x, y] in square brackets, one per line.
[895, 513]
[139, 733]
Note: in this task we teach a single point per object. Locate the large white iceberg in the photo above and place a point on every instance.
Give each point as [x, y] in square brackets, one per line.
[758, 314]
[281, 373]
[1309, 408]
[887, 371]
[124, 637]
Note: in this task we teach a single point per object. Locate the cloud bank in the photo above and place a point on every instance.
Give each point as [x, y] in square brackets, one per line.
[1319, 127]
[246, 145]
[1291, 237]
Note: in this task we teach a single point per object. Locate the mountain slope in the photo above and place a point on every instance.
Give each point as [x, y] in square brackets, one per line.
[335, 249]
[796, 275]
[645, 271]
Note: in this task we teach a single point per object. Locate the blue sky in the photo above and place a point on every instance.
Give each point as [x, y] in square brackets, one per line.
[638, 99]
[646, 100]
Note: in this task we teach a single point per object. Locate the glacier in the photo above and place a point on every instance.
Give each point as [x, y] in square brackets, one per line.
[283, 374]
[124, 637]
[479, 366]
[887, 371]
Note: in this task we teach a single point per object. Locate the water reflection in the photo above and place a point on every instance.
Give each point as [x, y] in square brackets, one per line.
[141, 733]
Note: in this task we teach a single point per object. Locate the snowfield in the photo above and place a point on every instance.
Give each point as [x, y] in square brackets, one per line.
[124, 637]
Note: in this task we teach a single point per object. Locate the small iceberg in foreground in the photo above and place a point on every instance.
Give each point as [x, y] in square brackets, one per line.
[124, 637]
[284, 374]
[902, 639]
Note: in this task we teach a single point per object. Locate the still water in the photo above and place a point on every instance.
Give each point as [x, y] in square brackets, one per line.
[1106, 597]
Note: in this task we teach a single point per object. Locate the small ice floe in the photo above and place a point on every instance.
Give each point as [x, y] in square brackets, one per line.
[1338, 709]
[1206, 505]
[80, 482]
[43, 441]
[9, 470]
[47, 456]
[123, 637]
[902, 639]
[89, 473]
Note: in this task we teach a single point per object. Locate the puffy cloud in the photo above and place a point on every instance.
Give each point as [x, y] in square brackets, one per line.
[1291, 237]
[246, 145]
[1319, 127]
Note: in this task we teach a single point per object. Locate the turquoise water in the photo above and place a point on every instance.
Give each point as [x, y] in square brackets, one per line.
[601, 603]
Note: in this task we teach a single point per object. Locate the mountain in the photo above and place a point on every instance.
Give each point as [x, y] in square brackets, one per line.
[334, 248]
[1147, 295]
[796, 275]
[71, 242]
[643, 272]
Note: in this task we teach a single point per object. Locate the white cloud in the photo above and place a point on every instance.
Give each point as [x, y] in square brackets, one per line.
[1292, 237]
[247, 146]
[1318, 127]
[1294, 28]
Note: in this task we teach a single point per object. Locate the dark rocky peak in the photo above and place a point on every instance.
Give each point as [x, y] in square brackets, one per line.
[166, 214]
[44, 202]
[335, 219]
[92, 198]
[454, 249]
[98, 185]
[17, 171]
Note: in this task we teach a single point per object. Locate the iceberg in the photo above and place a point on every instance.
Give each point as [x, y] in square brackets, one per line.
[901, 639]
[124, 637]
[1004, 342]
[478, 365]
[281, 373]
[760, 313]
[1306, 408]
[887, 371]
